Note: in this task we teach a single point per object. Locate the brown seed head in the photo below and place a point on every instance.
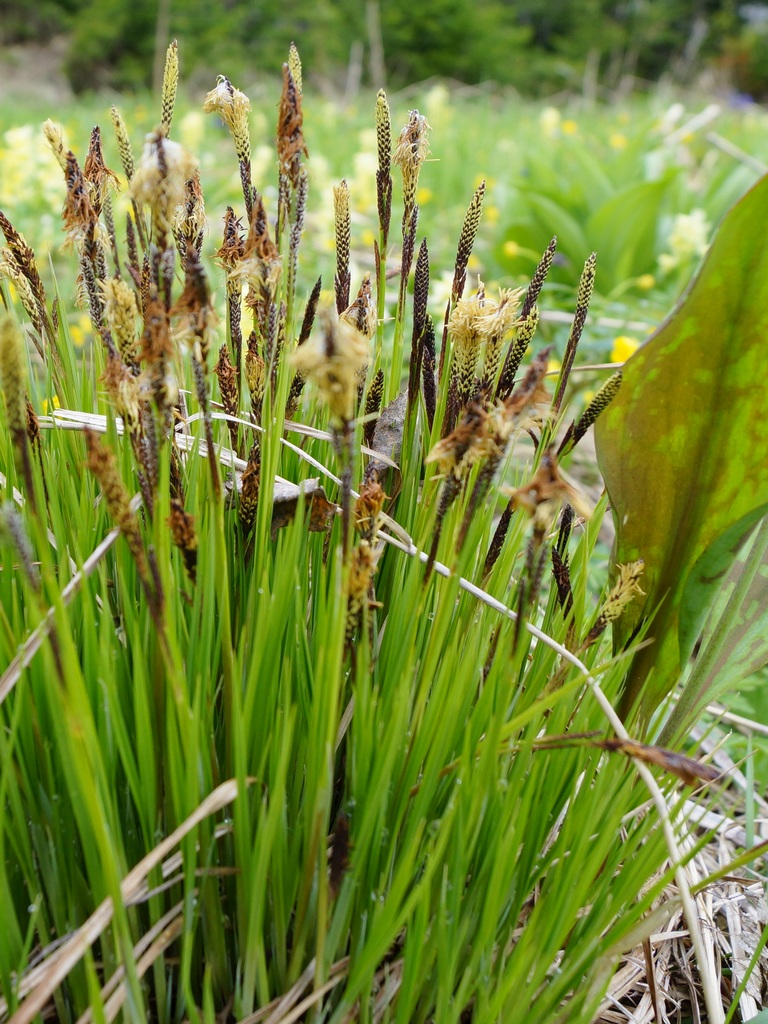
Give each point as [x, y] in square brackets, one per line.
[362, 313]
[182, 526]
[546, 491]
[251, 482]
[367, 508]
[290, 139]
[227, 377]
[197, 318]
[232, 248]
[467, 442]
[96, 172]
[80, 218]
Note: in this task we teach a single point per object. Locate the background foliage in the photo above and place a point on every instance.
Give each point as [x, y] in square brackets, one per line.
[533, 45]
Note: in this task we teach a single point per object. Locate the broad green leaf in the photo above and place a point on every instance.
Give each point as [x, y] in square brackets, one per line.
[554, 219]
[623, 231]
[725, 561]
[684, 447]
[734, 640]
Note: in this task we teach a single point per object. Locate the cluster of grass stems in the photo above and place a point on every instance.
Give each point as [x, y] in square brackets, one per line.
[285, 702]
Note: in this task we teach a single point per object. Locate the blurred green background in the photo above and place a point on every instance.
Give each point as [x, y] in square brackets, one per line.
[536, 46]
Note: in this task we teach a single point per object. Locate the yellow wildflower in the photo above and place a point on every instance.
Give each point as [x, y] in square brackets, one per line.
[623, 347]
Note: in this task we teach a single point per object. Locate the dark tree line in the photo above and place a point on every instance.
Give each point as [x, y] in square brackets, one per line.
[536, 46]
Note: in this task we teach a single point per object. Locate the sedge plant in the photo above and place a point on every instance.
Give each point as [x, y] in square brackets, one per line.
[300, 624]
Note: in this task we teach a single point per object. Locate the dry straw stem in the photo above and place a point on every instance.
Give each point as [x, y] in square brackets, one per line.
[151, 945]
[39, 984]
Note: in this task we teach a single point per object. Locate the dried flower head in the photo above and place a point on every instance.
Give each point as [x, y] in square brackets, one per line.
[290, 138]
[362, 313]
[160, 180]
[332, 359]
[233, 107]
[79, 216]
[96, 172]
[412, 144]
[367, 508]
[232, 248]
[545, 492]
[261, 264]
[468, 442]
[361, 570]
[182, 526]
[189, 223]
[197, 318]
